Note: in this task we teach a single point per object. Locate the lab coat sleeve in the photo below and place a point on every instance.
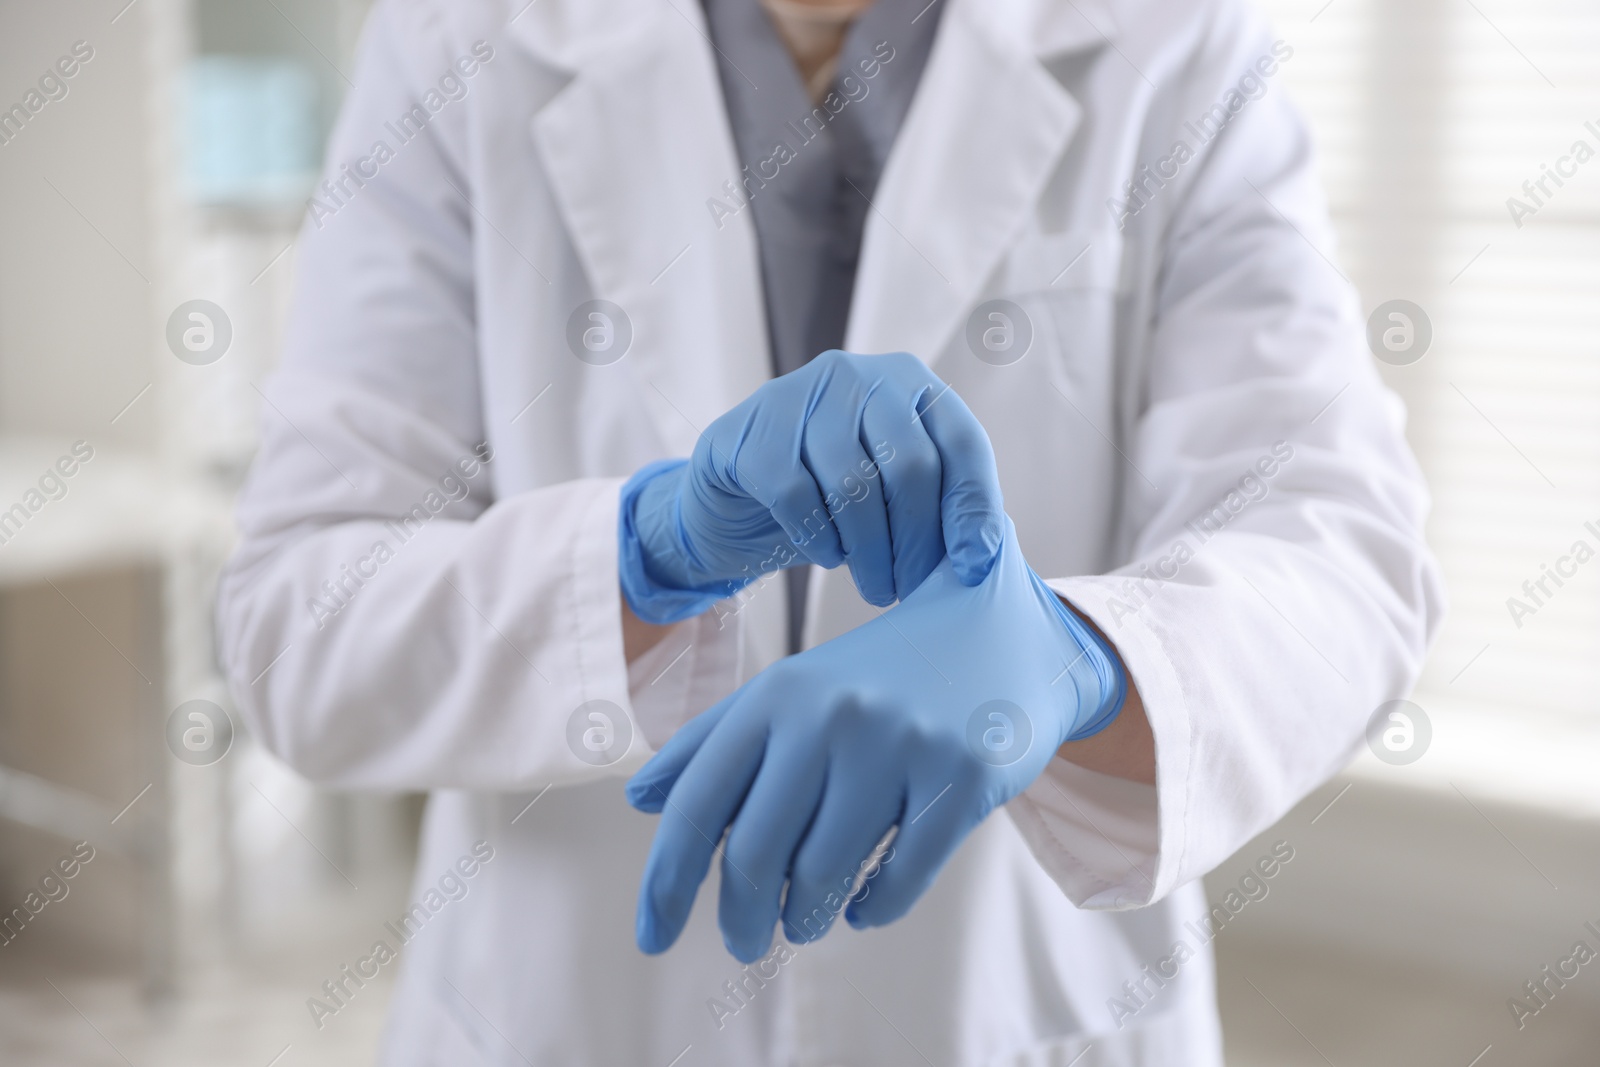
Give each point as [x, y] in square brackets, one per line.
[386, 622]
[1278, 588]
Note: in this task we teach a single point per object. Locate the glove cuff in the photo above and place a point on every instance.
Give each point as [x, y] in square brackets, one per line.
[655, 581]
[1096, 670]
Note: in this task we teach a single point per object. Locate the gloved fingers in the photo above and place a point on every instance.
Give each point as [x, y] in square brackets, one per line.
[935, 821]
[857, 810]
[750, 478]
[794, 501]
[698, 809]
[909, 469]
[761, 845]
[770, 432]
[648, 788]
[723, 448]
[855, 503]
[971, 506]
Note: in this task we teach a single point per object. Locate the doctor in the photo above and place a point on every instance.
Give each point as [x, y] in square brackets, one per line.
[561, 243]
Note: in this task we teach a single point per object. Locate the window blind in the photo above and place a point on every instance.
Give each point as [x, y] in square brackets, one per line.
[1431, 116]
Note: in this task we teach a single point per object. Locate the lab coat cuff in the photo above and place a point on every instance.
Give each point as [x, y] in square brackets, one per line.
[1095, 835]
[660, 683]
[695, 665]
[1110, 843]
[596, 640]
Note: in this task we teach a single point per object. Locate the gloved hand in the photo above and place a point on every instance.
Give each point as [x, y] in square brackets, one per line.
[925, 719]
[866, 460]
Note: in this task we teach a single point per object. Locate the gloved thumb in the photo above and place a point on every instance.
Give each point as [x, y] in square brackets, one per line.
[647, 790]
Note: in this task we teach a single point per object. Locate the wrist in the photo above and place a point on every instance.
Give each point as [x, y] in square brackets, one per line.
[659, 579]
[653, 511]
[1091, 666]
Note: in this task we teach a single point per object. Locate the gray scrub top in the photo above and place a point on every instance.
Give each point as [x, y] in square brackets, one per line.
[810, 170]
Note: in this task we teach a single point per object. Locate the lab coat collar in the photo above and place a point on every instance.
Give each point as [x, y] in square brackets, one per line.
[987, 128]
[1047, 28]
[637, 145]
[570, 35]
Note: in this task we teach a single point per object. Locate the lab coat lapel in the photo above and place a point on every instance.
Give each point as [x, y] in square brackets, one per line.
[635, 145]
[987, 127]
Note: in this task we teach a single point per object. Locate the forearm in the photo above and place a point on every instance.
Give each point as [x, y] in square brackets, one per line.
[475, 635]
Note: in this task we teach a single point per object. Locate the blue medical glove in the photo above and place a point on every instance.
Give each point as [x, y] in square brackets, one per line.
[925, 719]
[866, 460]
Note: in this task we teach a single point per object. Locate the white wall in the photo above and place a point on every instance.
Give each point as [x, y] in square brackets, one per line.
[74, 314]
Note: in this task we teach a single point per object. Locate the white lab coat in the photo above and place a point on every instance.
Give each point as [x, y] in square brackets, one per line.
[1169, 358]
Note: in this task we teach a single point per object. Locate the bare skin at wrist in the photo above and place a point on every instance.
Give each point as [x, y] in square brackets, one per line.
[1126, 748]
[638, 636]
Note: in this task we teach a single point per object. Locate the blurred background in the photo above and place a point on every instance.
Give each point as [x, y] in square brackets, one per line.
[148, 206]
